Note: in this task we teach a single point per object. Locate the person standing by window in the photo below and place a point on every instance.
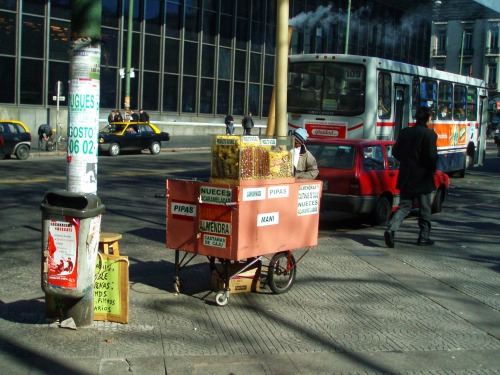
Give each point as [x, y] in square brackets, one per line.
[143, 116]
[248, 124]
[229, 121]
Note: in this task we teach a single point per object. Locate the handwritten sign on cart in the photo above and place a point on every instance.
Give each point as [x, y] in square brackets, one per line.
[111, 288]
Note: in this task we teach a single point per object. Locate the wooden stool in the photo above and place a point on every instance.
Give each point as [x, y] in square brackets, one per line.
[109, 241]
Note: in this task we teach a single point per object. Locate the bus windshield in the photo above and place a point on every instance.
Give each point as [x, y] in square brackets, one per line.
[326, 88]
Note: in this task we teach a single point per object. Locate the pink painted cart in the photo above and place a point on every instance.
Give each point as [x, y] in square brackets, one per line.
[243, 223]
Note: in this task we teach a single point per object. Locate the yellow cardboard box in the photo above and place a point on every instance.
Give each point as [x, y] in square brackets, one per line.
[244, 282]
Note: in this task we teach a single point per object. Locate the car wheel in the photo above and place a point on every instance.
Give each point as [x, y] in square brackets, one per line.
[155, 148]
[22, 152]
[382, 211]
[437, 203]
[114, 149]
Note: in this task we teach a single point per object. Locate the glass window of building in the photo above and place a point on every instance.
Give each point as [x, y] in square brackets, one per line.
[152, 51]
[150, 92]
[108, 97]
[223, 97]
[266, 99]
[8, 4]
[109, 48]
[441, 42]
[31, 89]
[34, 7]
[110, 15]
[243, 8]
[60, 9]
[190, 58]
[225, 63]
[493, 45]
[191, 23]
[242, 35]
[208, 61]
[32, 42]
[152, 16]
[238, 98]
[209, 27]
[254, 99]
[226, 30]
[8, 74]
[136, 22]
[173, 19]
[269, 70]
[59, 40]
[170, 90]
[171, 55]
[189, 94]
[468, 42]
[492, 75]
[257, 36]
[240, 65]
[58, 71]
[206, 95]
[255, 67]
[7, 33]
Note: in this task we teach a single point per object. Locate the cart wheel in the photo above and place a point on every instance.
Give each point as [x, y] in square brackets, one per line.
[279, 276]
[221, 299]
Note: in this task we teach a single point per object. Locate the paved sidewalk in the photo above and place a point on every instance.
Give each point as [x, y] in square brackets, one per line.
[354, 309]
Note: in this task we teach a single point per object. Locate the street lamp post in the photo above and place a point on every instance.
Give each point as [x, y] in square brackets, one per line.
[346, 51]
[129, 54]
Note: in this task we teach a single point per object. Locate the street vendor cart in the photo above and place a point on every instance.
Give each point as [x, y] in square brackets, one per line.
[251, 209]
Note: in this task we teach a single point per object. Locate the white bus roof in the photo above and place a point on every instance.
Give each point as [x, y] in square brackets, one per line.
[390, 65]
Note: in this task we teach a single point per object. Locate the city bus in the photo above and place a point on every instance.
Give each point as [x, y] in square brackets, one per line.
[347, 96]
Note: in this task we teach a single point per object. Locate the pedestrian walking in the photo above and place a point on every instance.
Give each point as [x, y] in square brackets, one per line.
[417, 152]
[143, 116]
[305, 165]
[229, 121]
[247, 124]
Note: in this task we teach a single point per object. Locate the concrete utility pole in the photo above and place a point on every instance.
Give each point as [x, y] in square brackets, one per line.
[83, 128]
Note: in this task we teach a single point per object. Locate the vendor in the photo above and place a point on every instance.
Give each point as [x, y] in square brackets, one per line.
[304, 163]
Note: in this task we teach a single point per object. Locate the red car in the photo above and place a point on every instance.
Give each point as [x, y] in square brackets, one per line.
[359, 176]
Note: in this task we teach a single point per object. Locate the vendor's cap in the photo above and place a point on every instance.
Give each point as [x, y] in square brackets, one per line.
[301, 135]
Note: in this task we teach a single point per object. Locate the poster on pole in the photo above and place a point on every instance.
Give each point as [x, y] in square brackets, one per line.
[62, 246]
[83, 129]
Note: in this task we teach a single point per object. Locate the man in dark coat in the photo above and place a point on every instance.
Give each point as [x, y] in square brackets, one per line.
[143, 116]
[417, 151]
[247, 124]
[134, 117]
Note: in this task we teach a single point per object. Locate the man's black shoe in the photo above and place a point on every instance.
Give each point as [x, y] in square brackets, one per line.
[424, 241]
[389, 238]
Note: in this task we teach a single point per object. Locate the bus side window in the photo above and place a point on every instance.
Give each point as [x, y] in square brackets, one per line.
[428, 95]
[460, 94]
[415, 95]
[384, 95]
[471, 104]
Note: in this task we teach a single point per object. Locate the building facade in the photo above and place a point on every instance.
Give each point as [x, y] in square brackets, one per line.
[465, 40]
[193, 60]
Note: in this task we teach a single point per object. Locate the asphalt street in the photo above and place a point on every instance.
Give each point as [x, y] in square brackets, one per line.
[356, 306]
